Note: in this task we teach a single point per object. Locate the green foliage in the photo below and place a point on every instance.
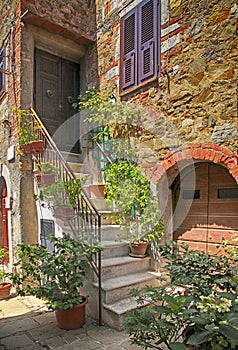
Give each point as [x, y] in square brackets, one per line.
[53, 276]
[127, 185]
[198, 307]
[47, 168]
[103, 111]
[27, 130]
[61, 193]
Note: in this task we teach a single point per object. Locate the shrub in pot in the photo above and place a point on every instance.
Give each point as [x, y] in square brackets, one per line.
[5, 284]
[28, 133]
[56, 277]
[129, 188]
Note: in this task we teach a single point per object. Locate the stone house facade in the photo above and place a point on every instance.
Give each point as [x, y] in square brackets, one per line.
[176, 59]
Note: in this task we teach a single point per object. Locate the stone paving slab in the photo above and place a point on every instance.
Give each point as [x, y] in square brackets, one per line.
[26, 324]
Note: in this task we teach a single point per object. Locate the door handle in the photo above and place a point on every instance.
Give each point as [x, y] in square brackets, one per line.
[49, 93]
[70, 99]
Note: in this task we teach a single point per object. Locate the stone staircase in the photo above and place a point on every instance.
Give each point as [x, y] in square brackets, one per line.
[120, 272]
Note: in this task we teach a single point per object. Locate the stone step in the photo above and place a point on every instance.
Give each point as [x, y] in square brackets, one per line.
[119, 266]
[76, 167]
[117, 288]
[115, 249]
[72, 157]
[101, 204]
[113, 313]
[113, 233]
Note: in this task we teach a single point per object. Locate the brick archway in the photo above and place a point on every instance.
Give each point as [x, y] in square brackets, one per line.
[184, 155]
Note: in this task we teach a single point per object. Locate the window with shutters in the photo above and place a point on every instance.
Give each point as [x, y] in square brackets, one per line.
[2, 71]
[140, 48]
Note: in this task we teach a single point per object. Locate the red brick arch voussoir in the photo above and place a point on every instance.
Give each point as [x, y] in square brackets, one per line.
[184, 155]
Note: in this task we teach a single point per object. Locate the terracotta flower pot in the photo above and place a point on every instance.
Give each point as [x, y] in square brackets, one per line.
[138, 249]
[37, 146]
[5, 289]
[26, 148]
[45, 179]
[97, 190]
[71, 318]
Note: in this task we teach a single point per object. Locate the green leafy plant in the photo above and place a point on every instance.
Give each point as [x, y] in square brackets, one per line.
[54, 276]
[196, 304]
[47, 168]
[215, 322]
[61, 193]
[127, 185]
[27, 130]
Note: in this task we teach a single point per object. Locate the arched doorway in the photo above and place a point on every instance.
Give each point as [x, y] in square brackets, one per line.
[4, 241]
[213, 206]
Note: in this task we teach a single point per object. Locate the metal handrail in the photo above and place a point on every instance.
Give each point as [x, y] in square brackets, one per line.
[89, 217]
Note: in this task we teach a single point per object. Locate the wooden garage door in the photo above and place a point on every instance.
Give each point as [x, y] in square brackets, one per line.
[212, 207]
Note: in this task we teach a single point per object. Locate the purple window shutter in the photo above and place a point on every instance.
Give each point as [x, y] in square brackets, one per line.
[128, 57]
[147, 46]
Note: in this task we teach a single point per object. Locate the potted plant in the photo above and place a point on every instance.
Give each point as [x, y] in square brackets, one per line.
[146, 229]
[129, 189]
[56, 277]
[28, 133]
[61, 197]
[5, 285]
[47, 173]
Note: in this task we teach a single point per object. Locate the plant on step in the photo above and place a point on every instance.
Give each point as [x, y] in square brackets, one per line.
[57, 276]
[196, 304]
[126, 185]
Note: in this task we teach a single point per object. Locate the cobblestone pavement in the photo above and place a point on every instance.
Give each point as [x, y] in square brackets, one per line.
[26, 324]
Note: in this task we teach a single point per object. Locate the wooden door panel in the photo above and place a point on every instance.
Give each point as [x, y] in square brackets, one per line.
[210, 218]
[215, 236]
[191, 234]
[194, 245]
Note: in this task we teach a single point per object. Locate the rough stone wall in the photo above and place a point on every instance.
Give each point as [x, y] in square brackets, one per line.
[196, 91]
[73, 21]
[75, 16]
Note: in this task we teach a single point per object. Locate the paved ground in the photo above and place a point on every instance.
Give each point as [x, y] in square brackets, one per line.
[26, 324]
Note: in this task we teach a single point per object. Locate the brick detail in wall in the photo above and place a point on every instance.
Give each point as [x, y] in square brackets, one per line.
[173, 161]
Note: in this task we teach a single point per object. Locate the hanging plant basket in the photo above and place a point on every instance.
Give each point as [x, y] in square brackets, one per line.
[71, 318]
[45, 179]
[36, 146]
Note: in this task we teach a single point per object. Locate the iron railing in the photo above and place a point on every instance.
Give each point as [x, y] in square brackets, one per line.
[87, 218]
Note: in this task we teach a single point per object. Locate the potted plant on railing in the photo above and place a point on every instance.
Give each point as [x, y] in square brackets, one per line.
[47, 174]
[56, 277]
[61, 197]
[28, 133]
[5, 284]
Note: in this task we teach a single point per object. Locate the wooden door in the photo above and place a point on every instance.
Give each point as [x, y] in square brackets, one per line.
[212, 207]
[56, 88]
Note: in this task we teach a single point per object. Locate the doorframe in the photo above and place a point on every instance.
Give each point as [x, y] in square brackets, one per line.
[6, 183]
